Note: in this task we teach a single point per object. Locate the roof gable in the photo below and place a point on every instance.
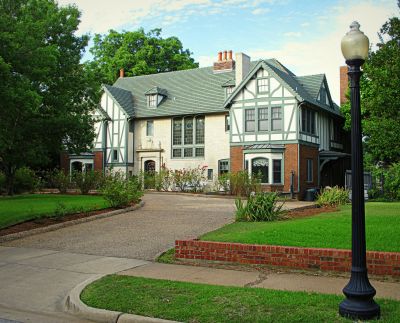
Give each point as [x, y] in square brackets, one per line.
[122, 97]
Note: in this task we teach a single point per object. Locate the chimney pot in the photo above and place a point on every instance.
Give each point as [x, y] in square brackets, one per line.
[219, 56]
[230, 55]
[121, 73]
[225, 52]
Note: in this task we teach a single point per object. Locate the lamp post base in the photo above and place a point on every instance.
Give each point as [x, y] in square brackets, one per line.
[357, 309]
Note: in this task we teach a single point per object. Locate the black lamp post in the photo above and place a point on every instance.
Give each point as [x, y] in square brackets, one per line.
[359, 302]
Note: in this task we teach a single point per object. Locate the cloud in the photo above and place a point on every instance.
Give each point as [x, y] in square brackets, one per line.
[305, 24]
[323, 54]
[292, 34]
[260, 11]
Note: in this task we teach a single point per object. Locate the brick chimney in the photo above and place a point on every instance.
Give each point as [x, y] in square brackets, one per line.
[225, 63]
[121, 73]
[344, 84]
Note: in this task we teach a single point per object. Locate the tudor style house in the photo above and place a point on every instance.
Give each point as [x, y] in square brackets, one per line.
[236, 115]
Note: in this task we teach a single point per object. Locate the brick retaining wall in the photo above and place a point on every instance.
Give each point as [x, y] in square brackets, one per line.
[379, 263]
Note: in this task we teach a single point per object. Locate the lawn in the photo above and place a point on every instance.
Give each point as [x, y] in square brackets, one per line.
[189, 302]
[17, 209]
[327, 230]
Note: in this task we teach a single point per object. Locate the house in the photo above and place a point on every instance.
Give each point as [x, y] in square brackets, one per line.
[235, 115]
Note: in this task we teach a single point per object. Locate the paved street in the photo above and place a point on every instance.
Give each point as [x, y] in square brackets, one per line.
[141, 234]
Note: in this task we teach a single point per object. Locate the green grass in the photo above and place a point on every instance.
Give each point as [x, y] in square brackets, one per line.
[17, 209]
[329, 230]
[167, 257]
[189, 302]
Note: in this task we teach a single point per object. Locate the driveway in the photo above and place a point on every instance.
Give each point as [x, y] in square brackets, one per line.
[141, 234]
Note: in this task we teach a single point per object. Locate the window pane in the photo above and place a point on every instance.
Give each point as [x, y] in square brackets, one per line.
[188, 152]
[303, 120]
[250, 120]
[312, 129]
[277, 170]
[223, 166]
[262, 85]
[177, 152]
[276, 115]
[259, 168]
[177, 132]
[227, 125]
[210, 174]
[188, 131]
[199, 130]
[149, 128]
[309, 170]
[263, 119]
[199, 152]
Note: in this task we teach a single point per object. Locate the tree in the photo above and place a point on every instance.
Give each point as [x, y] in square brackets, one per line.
[45, 94]
[380, 97]
[138, 53]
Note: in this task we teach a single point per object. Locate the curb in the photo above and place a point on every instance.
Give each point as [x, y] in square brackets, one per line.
[53, 227]
[73, 305]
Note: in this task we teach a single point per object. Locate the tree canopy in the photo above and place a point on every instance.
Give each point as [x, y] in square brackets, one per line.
[45, 99]
[380, 97]
[138, 53]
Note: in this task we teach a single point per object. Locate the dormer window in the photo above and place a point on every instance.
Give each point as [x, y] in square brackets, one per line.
[229, 90]
[152, 100]
[155, 96]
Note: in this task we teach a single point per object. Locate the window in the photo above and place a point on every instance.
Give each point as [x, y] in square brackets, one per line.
[149, 128]
[337, 131]
[223, 166]
[229, 90]
[210, 174]
[276, 116]
[249, 117]
[277, 171]
[188, 131]
[115, 154]
[188, 137]
[262, 85]
[227, 123]
[308, 121]
[309, 170]
[200, 130]
[152, 100]
[259, 167]
[177, 132]
[263, 119]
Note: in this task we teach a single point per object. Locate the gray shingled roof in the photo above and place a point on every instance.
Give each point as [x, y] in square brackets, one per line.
[122, 97]
[200, 91]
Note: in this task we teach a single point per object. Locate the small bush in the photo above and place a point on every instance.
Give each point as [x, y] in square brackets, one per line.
[222, 182]
[60, 180]
[163, 180]
[392, 182]
[149, 179]
[242, 184]
[26, 180]
[120, 192]
[2, 182]
[259, 207]
[87, 181]
[332, 196]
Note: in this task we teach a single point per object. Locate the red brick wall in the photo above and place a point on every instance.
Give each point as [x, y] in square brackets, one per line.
[344, 84]
[236, 158]
[224, 65]
[308, 152]
[291, 162]
[378, 263]
[98, 161]
[64, 162]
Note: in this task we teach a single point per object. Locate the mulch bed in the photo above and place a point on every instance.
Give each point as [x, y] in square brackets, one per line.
[44, 222]
[309, 211]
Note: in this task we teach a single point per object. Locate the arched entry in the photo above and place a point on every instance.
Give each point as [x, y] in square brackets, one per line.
[149, 174]
[76, 166]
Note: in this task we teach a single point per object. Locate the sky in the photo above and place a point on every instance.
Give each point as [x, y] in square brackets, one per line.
[304, 35]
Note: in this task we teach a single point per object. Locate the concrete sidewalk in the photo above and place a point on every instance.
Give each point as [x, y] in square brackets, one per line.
[270, 280]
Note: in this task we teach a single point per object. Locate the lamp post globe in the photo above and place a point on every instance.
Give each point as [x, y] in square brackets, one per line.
[359, 302]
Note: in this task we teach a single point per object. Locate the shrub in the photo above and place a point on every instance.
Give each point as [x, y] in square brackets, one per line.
[392, 182]
[242, 184]
[163, 179]
[2, 182]
[149, 179]
[332, 196]
[259, 207]
[87, 181]
[181, 178]
[60, 180]
[26, 180]
[223, 182]
[120, 192]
